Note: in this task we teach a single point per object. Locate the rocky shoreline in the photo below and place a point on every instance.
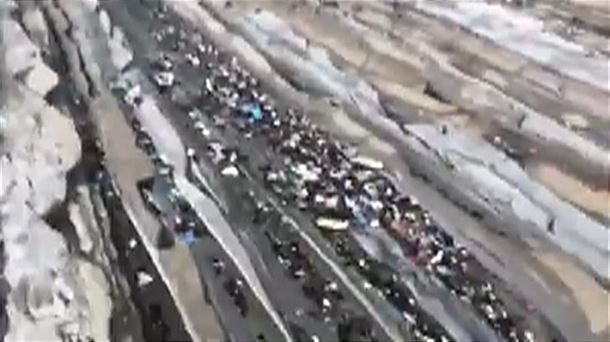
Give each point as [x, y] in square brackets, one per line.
[494, 142]
[66, 275]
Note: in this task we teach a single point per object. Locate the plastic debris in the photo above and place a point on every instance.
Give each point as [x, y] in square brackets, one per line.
[367, 162]
[201, 128]
[194, 114]
[254, 111]
[144, 278]
[305, 173]
[218, 265]
[190, 152]
[163, 63]
[230, 171]
[331, 223]
[193, 60]
[164, 79]
[133, 95]
[344, 187]
[186, 237]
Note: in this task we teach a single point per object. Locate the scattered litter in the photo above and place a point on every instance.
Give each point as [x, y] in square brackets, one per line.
[575, 121]
[144, 278]
[305, 173]
[190, 152]
[218, 265]
[133, 96]
[209, 86]
[201, 128]
[333, 181]
[326, 304]
[186, 237]
[195, 114]
[331, 223]
[164, 79]
[121, 84]
[219, 122]
[163, 63]
[367, 162]
[254, 111]
[193, 60]
[230, 171]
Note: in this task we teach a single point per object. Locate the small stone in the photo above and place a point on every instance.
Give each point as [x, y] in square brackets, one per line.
[41, 79]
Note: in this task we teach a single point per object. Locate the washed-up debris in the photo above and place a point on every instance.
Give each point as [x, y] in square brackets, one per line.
[318, 175]
[164, 79]
[332, 224]
[253, 111]
[143, 278]
[219, 122]
[306, 173]
[367, 162]
[187, 237]
[218, 265]
[342, 189]
[190, 152]
[209, 86]
[201, 128]
[121, 84]
[192, 59]
[216, 152]
[165, 171]
[575, 121]
[195, 114]
[230, 171]
[163, 63]
[133, 96]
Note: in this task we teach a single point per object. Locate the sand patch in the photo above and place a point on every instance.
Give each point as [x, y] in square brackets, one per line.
[341, 42]
[573, 190]
[413, 96]
[592, 298]
[374, 19]
[378, 58]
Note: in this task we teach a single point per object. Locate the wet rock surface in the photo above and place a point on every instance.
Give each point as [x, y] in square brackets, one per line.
[321, 171]
[61, 266]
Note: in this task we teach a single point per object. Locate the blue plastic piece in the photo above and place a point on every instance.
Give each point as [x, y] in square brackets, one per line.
[187, 237]
[359, 219]
[254, 111]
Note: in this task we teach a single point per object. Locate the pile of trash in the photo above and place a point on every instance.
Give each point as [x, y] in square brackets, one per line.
[321, 176]
[345, 190]
[340, 189]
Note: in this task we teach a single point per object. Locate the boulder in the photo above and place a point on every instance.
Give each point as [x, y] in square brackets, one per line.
[34, 21]
[23, 59]
[41, 147]
[41, 79]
